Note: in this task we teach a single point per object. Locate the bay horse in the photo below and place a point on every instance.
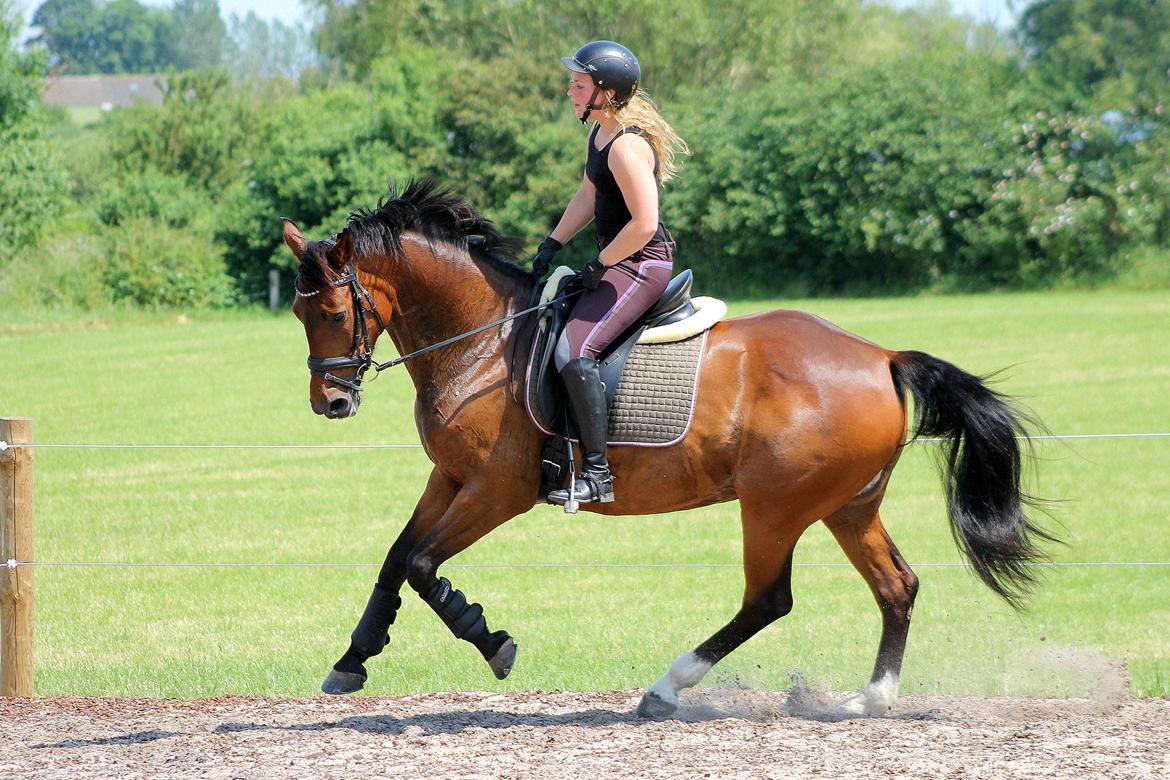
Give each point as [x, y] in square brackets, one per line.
[796, 418]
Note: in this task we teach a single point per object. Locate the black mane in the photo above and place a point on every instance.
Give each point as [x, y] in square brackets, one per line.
[439, 215]
[426, 208]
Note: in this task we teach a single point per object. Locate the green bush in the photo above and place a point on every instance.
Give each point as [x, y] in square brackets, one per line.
[900, 177]
[166, 199]
[203, 131]
[32, 184]
[1146, 193]
[153, 264]
[64, 270]
[1052, 215]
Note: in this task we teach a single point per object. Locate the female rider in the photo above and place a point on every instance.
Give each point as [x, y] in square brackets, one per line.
[630, 155]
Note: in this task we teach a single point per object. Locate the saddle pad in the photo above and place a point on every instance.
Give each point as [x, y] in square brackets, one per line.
[655, 398]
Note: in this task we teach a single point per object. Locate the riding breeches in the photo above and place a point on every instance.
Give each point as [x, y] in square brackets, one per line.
[627, 291]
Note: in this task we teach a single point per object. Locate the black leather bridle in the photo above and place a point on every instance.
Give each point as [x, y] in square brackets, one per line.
[361, 353]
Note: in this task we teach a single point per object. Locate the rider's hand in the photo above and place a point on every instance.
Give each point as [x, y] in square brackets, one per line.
[592, 272]
[544, 255]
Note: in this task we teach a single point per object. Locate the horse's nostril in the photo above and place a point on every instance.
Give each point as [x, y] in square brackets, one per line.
[339, 407]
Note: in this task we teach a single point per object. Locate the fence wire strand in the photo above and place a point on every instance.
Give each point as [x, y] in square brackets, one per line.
[12, 564]
[6, 445]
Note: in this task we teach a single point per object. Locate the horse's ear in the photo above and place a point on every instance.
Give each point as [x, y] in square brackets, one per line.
[294, 237]
[341, 253]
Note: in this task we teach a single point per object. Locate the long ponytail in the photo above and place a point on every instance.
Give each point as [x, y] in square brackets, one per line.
[641, 112]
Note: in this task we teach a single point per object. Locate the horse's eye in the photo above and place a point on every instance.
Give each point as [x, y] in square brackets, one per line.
[339, 317]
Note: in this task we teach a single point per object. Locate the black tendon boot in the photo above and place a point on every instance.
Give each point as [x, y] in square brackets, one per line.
[587, 396]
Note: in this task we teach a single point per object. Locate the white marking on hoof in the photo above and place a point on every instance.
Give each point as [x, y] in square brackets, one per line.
[877, 698]
[685, 672]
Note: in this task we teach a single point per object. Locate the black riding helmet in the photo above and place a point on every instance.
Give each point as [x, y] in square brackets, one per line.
[611, 66]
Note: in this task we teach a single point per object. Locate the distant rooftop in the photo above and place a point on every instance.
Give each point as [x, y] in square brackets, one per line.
[103, 92]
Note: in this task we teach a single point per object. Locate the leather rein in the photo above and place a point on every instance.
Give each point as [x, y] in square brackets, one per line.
[361, 355]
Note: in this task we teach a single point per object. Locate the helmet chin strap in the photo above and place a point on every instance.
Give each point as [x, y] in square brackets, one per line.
[589, 106]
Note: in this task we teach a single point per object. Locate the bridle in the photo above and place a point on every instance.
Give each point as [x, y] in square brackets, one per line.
[361, 353]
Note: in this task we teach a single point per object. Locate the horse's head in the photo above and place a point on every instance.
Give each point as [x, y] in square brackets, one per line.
[342, 320]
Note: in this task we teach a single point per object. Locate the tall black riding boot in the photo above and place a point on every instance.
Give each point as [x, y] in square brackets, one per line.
[587, 397]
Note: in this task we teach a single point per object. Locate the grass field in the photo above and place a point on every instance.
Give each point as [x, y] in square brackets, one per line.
[1086, 363]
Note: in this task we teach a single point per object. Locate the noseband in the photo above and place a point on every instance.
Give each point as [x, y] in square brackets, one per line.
[361, 353]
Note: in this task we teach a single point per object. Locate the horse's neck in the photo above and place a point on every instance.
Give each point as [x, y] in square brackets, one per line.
[441, 293]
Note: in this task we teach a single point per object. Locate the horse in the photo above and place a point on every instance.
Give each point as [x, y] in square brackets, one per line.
[799, 420]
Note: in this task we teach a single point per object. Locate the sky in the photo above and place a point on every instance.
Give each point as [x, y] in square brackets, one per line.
[994, 11]
[290, 11]
[294, 12]
[287, 11]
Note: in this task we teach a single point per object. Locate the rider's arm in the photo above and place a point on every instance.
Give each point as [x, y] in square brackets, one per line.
[578, 213]
[632, 162]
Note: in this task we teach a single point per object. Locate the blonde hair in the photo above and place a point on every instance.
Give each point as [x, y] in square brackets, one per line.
[641, 112]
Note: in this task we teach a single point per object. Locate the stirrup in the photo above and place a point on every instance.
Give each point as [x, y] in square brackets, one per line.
[585, 489]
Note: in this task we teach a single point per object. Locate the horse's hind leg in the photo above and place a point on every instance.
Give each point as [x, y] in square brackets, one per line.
[858, 529]
[767, 597]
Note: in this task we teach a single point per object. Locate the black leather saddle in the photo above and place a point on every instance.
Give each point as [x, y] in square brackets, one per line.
[545, 397]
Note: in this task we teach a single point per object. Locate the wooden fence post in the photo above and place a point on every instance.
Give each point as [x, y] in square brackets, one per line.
[17, 593]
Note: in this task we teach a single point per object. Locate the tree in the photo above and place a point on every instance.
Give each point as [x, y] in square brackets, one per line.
[133, 38]
[268, 50]
[125, 36]
[201, 36]
[1114, 54]
[683, 43]
[68, 32]
[32, 184]
[122, 36]
[201, 132]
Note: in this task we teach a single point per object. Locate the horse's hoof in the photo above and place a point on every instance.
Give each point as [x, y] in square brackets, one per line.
[863, 705]
[852, 707]
[343, 682]
[655, 707]
[501, 662]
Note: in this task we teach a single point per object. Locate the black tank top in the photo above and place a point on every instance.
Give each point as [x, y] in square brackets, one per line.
[610, 213]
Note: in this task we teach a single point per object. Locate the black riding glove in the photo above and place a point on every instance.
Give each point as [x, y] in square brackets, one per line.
[545, 254]
[592, 272]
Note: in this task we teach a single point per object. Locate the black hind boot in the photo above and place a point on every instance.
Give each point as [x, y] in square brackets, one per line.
[587, 397]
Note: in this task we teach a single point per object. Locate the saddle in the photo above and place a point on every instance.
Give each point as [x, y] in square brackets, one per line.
[544, 395]
[544, 392]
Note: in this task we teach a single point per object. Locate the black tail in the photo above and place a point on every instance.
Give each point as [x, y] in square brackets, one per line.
[981, 462]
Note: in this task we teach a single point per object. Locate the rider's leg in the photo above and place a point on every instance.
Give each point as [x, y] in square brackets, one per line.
[587, 396]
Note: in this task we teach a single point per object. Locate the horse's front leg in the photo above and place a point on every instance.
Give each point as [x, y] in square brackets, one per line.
[476, 510]
[372, 632]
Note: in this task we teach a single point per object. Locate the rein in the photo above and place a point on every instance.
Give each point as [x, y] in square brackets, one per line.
[362, 353]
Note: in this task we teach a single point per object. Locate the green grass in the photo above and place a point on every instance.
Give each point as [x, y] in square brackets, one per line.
[1085, 362]
[84, 115]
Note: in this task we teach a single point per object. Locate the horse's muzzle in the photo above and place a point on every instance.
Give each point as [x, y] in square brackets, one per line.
[339, 406]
